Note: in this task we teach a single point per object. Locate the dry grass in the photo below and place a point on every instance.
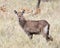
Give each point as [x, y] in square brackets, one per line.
[13, 36]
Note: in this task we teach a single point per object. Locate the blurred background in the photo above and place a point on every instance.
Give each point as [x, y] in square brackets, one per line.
[13, 36]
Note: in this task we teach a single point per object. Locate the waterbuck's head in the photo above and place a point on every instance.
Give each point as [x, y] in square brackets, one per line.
[21, 18]
[20, 14]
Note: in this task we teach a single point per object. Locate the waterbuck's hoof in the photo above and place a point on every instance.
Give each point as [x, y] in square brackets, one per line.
[49, 39]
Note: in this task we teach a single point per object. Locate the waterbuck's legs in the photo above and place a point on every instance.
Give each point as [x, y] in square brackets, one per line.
[46, 33]
[30, 35]
[37, 8]
[48, 37]
[38, 3]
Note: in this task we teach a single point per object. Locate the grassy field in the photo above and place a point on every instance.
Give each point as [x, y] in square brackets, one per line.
[13, 36]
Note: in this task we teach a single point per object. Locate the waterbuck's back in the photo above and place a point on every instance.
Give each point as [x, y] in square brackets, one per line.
[35, 26]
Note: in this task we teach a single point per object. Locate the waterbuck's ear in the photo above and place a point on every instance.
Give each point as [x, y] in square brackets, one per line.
[15, 11]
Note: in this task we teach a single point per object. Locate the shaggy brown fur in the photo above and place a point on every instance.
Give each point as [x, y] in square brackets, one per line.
[34, 27]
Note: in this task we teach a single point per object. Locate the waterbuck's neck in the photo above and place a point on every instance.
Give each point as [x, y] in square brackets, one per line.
[22, 21]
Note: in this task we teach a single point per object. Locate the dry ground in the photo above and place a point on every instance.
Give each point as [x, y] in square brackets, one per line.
[13, 36]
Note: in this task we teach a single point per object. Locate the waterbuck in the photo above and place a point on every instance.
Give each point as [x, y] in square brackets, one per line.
[34, 27]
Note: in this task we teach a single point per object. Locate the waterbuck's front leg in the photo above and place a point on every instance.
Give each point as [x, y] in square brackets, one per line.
[30, 35]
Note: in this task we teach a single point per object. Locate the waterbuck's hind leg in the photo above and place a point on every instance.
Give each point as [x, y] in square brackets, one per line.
[46, 33]
[38, 3]
[48, 37]
[37, 10]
